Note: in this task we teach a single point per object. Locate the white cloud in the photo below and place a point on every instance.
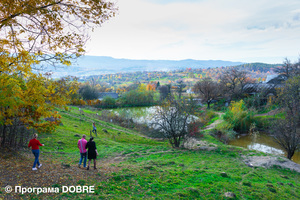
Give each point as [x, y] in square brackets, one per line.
[204, 29]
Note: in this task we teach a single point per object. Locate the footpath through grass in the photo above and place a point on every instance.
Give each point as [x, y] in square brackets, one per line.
[131, 166]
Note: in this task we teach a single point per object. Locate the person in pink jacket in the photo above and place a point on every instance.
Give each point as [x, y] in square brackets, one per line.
[81, 146]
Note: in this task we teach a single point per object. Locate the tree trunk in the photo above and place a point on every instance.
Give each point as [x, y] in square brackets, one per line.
[290, 154]
[3, 135]
[208, 104]
[175, 142]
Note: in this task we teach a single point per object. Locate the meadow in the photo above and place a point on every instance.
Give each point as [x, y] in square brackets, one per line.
[133, 166]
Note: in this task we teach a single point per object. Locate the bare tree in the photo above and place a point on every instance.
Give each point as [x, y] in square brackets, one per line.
[287, 131]
[233, 81]
[208, 90]
[172, 118]
[288, 69]
[287, 135]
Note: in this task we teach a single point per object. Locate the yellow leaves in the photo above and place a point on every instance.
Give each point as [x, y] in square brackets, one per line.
[33, 99]
[66, 62]
[237, 107]
[31, 30]
[51, 25]
[142, 87]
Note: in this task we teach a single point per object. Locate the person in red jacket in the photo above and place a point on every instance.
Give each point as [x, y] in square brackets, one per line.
[34, 144]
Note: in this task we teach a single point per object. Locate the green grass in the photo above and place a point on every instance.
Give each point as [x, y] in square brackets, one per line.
[153, 170]
[212, 120]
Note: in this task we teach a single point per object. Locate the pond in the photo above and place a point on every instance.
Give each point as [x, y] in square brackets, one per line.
[264, 143]
[139, 115]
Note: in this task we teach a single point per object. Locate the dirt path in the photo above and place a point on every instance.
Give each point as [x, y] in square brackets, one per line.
[215, 123]
[272, 112]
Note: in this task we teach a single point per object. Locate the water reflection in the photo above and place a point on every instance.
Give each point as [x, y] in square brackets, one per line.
[264, 143]
[139, 115]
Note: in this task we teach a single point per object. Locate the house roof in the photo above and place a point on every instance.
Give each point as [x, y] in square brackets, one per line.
[253, 88]
[277, 79]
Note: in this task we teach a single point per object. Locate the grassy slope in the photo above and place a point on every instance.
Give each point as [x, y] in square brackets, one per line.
[132, 166]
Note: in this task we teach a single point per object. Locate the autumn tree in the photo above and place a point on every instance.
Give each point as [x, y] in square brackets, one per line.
[35, 33]
[26, 103]
[49, 30]
[208, 90]
[151, 86]
[101, 87]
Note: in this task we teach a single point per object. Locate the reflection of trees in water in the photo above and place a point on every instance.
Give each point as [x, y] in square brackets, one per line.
[253, 132]
[138, 115]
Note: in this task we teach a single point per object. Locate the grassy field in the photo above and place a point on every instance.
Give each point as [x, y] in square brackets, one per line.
[132, 166]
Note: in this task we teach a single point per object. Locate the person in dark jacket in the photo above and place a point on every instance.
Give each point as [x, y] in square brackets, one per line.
[92, 152]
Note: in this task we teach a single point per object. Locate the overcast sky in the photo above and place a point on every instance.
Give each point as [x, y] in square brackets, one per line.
[233, 30]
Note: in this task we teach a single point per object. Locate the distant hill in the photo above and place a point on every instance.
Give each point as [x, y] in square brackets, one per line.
[94, 65]
[261, 67]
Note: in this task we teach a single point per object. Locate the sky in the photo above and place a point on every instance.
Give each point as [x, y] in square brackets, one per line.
[232, 30]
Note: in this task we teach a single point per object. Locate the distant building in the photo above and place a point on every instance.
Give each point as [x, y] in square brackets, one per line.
[254, 88]
[268, 87]
[277, 80]
[270, 77]
[113, 95]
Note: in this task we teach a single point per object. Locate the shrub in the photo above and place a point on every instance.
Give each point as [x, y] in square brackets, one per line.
[223, 134]
[88, 93]
[108, 101]
[206, 116]
[137, 98]
[238, 117]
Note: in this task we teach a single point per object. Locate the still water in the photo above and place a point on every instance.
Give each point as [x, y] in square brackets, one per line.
[264, 143]
[141, 115]
[137, 114]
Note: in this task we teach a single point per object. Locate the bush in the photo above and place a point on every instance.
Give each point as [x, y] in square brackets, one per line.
[223, 134]
[137, 98]
[108, 102]
[238, 118]
[88, 93]
[206, 116]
